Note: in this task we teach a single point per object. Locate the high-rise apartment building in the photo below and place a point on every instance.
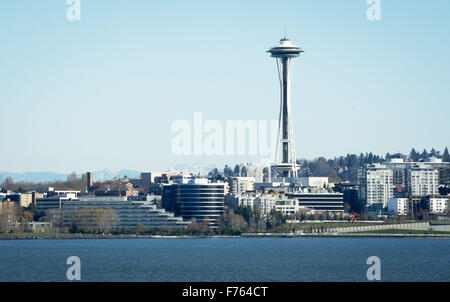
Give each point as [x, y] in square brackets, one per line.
[376, 183]
[422, 180]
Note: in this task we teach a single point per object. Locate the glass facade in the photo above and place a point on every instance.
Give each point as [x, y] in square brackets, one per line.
[203, 202]
[128, 213]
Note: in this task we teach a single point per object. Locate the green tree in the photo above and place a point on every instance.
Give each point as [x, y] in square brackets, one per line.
[424, 154]
[275, 219]
[231, 223]
[433, 152]
[446, 155]
[414, 155]
[227, 171]
[321, 167]
[24, 215]
[246, 213]
[8, 216]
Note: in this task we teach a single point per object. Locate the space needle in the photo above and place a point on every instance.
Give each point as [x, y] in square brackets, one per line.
[284, 53]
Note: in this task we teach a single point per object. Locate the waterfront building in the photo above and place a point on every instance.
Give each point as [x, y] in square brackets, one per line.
[400, 167]
[318, 202]
[376, 184]
[398, 206]
[25, 199]
[21, 199]
[313, 202]
[415, 204]
[126, 211]
[73, 194]
[438, 204]
[291, 203]
[287, 207]
[422, 180]
[55, 199]
[195, 198]
[397, 178]
[54, 202]
[264, 203]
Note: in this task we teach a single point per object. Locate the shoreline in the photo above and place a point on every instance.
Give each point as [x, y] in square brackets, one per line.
[64, 236]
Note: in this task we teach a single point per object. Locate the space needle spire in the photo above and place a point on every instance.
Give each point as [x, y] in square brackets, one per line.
[284, 53]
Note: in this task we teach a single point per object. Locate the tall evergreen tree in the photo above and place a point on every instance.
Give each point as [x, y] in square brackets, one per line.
[352, 160]
[413, 155]
[424, 154]
[362, 159]
[446, 156]
[433, 152]
[370, 158]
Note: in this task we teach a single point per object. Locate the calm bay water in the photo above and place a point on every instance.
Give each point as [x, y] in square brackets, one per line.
[226, 259]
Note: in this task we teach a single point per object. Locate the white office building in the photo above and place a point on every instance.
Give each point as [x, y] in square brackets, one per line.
[287, 207]
[239, 185]
[438, 204]
[264, 202]
[313, 182]
[398, 206]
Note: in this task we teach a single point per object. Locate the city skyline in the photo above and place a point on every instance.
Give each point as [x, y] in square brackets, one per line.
[93, 94]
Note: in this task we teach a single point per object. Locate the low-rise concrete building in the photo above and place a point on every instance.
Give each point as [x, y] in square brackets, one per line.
[398, 206]
[438, 204]
[313, 182]
[318, 202]
[415, 204]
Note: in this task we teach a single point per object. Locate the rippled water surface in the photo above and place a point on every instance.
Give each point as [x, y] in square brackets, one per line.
[226, 259]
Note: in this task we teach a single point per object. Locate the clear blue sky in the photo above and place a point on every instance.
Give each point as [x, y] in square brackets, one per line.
[104, 91]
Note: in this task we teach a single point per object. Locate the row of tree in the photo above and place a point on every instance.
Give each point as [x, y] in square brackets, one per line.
[73, 182]
[14, 217]
[83, 220]
[414, 155]
[345, 168]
